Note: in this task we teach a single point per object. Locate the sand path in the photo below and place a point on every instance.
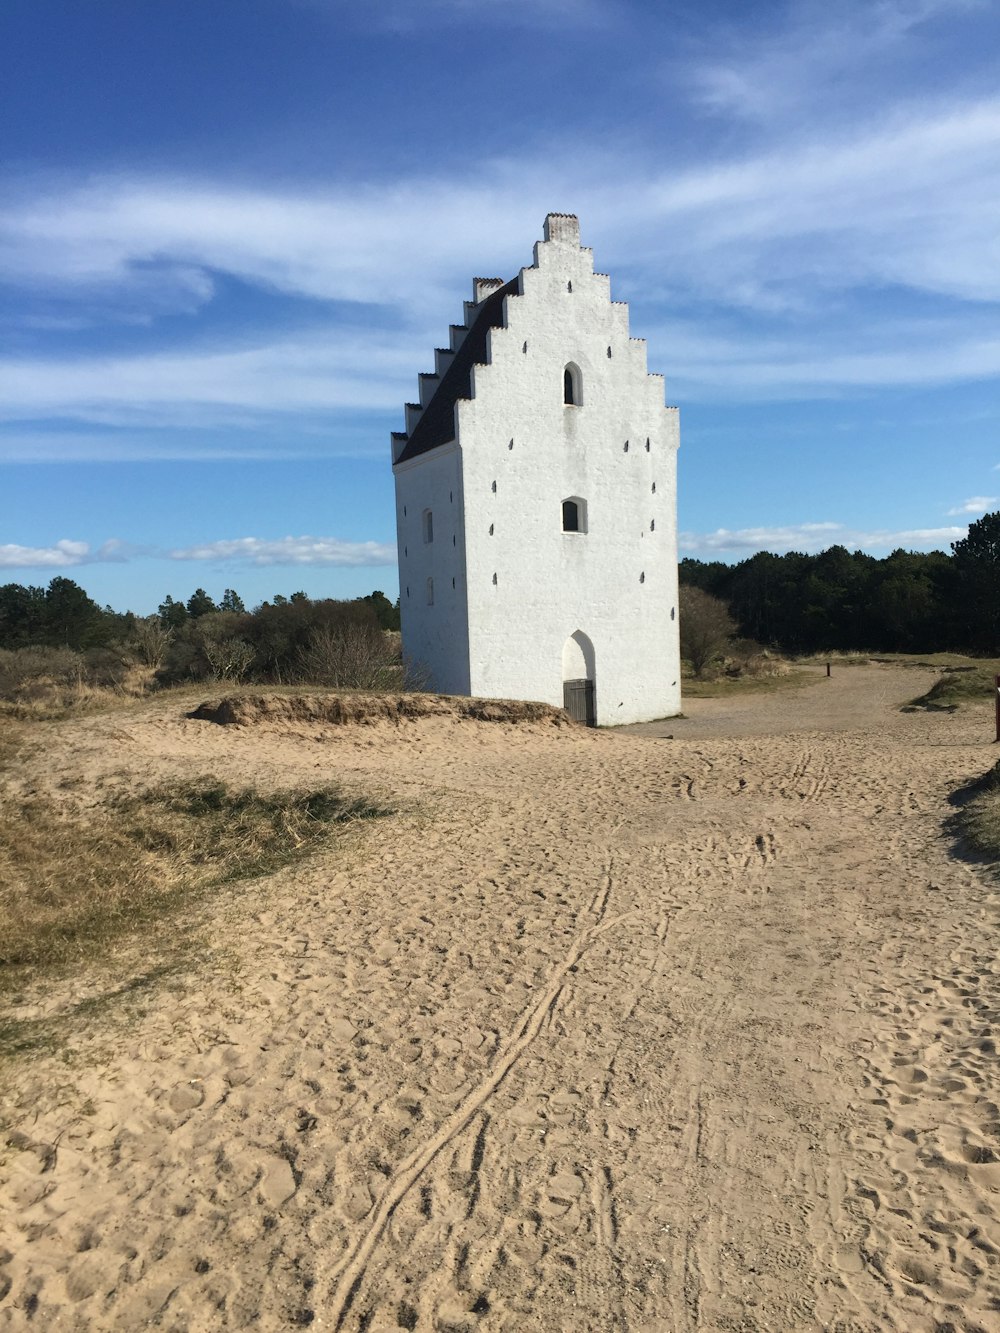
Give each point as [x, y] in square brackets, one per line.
[602, 1031]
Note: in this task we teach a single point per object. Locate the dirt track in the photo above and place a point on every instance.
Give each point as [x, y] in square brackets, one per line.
[604, 1031]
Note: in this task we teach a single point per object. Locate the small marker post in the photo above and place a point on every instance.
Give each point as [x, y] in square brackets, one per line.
[996, 681]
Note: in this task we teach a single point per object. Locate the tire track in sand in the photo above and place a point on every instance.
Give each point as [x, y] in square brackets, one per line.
[352, 1271]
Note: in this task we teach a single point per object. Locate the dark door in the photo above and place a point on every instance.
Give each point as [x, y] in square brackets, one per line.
[578, 700]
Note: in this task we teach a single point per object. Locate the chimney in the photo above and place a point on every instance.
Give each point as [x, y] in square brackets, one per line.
[562, 227]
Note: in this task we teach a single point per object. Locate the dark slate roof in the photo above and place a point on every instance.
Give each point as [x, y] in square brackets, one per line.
[437, 422]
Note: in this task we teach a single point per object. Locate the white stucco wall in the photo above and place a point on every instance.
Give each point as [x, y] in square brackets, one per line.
[526, 586]
[435, 636]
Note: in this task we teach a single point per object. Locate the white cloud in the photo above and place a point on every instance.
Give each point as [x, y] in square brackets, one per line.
[330, 551]
[291, 551]
[63, 554]
[976, 504]
[812, 537]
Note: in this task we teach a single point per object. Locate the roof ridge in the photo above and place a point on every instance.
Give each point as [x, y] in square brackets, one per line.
[436, 425]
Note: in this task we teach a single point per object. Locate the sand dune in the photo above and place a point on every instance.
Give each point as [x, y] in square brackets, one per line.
[601, 1031]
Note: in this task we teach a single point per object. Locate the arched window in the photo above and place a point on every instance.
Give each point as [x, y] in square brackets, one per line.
[430, 592]
[574, 514]
[572, 386]
[428, 526]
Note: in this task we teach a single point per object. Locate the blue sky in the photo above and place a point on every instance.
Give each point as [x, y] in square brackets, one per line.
[232, 232]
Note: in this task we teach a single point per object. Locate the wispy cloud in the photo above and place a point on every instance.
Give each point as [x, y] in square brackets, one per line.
[29, 445]
[320, 372]
[405, 16]
[891, 203]
[780, 247]
[976, 504]
[291, 551]
[822, 56]
[811, 537]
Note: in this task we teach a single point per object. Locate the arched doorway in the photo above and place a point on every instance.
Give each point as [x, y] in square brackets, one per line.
[578, 678]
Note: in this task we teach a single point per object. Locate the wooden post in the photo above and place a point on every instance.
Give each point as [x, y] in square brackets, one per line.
[996, 681]
[828, 672]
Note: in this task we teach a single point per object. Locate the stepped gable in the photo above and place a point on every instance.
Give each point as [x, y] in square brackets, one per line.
[437, 421]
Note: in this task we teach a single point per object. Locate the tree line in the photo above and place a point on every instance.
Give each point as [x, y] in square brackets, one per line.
[846, 600]
[60, 631]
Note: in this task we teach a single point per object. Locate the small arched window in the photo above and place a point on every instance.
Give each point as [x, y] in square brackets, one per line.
[574, 514]
[572, 386]
[428, 526]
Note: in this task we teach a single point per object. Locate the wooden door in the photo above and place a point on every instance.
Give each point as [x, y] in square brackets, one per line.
[578, 700]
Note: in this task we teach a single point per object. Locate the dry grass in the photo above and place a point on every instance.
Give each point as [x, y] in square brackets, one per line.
[340, 709]
[978, 819]
[723, 687]
[70, 885]
[48, 698]
[11, 741]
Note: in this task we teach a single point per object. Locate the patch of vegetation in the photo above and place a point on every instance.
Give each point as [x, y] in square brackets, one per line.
[978, 819]
[959, 685]
[71, 884]
[61, 654]
[727, 686]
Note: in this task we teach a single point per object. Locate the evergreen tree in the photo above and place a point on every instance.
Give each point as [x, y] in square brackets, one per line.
[388, 615]
[200, 604]
[172, 614]
[977, 567]
[72, 619]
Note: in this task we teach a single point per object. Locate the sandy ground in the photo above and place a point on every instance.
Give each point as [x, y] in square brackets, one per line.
[602, 1031]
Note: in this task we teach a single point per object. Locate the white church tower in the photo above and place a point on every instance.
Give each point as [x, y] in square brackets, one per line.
[536, 500]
